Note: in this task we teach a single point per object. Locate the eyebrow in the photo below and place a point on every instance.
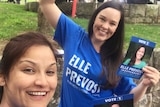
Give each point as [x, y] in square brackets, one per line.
[102, 16]
[105, 18]
[54, 63]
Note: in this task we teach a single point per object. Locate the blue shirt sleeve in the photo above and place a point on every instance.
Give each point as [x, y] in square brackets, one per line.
[67, 31]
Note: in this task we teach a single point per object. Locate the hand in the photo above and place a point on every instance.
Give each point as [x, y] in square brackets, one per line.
[151, 76]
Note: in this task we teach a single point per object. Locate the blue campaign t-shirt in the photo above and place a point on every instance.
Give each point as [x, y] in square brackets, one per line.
[82, 68]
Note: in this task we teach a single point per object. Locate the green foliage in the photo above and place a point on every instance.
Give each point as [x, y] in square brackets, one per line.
[148, 32]
[14, 19]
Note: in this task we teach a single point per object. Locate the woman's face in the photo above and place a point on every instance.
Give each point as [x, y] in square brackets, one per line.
[140, 53]
[32, 79]
[105, 25]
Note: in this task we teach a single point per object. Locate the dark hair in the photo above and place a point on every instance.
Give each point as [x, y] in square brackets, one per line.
[112, 50]
[133, 58]
[17, 46]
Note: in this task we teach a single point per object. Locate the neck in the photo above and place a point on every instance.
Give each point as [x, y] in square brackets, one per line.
[96, 44]
[137, 61]
[4, 103]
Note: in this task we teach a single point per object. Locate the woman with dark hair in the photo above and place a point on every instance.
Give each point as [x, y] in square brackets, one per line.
[136, 59]
[28, 71]
[91, 59]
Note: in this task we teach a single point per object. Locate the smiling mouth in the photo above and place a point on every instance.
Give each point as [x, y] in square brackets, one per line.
[37, 93]
[103, 32]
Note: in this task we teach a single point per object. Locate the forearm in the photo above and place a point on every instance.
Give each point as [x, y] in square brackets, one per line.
[51, 11]
[139, 91]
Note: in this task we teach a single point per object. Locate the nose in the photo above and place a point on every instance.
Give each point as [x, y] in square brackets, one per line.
[105, 25]
[141, 53]
[41, 80]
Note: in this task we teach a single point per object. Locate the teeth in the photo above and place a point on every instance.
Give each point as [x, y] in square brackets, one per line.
[102, 32]
[37, 93]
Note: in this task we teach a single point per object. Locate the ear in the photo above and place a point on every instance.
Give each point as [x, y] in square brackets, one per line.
[2, 80]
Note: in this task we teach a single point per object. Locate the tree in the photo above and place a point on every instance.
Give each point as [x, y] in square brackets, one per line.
[60, 1]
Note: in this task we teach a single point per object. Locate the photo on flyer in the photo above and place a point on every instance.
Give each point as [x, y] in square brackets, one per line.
[137, 57]
[118, 101]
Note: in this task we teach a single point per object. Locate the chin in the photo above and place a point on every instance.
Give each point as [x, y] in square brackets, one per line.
[37, 105]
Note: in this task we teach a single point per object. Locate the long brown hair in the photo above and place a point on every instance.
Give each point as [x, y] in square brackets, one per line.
[112, 50]
[133, 58]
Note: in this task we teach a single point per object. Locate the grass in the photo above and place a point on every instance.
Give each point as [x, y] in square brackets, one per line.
[14, 19]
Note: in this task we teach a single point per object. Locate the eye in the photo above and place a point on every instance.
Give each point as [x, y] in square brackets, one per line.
[28, 70]
[50, 72]
[113, 24]
[102, 19]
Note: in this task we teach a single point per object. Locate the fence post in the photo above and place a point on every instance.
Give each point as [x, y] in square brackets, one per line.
[74, 6]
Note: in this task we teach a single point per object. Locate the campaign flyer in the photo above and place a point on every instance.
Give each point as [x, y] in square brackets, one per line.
[116, 101]
[137, 57]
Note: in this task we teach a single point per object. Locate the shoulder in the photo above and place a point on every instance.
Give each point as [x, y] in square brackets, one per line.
[143, 62]
[127, 61]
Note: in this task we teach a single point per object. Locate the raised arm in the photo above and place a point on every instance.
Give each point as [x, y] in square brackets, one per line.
[51, 11]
